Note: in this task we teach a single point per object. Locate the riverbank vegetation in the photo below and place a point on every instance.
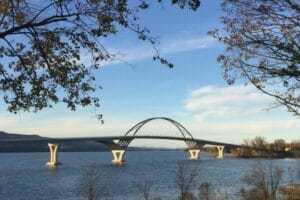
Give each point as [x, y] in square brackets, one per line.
[264, 181]
[258, 147]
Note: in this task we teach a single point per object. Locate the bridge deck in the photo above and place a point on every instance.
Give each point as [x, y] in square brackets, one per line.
[112, 138]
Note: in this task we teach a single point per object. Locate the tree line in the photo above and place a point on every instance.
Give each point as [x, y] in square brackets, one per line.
[259, 147]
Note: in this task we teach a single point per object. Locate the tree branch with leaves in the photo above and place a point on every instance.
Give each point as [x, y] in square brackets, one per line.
[43, 43]
[262, 40]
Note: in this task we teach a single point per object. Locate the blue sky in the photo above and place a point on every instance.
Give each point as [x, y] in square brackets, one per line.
[192, 93]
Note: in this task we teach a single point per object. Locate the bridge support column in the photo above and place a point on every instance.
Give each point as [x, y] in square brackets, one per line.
[118, 156]
[194, 154]
[220, 151]
[53, 155]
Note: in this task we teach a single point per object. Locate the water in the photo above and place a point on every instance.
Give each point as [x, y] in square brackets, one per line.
[25, 175]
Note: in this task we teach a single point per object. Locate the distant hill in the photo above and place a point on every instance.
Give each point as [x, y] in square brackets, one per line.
[42, 146]
[13, 136]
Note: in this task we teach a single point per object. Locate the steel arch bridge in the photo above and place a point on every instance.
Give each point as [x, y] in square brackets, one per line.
[134, 130]
[118, 148]
[132, 133]
[194, 145]
[124, 141]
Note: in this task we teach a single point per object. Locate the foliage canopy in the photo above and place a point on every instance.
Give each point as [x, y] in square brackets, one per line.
[263, 47]
[42, 43]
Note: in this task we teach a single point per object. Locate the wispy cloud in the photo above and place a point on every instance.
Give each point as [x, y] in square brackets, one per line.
[226, 102]
[186, 43]
[132, 52]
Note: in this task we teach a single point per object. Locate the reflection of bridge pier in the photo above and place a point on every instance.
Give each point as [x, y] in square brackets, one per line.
[53, 155]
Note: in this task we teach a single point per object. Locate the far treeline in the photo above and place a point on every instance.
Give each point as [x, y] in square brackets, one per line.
[260, 148]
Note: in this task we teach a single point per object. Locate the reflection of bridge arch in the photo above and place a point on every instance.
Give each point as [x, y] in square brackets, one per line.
[136, 128]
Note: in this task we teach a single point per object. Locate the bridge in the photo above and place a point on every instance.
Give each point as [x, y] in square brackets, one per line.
[119, 144]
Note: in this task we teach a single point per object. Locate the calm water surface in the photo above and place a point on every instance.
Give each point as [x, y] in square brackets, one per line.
[25, 175]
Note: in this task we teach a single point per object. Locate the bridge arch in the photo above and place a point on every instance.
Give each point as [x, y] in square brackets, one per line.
[119, 150]
[136, 128]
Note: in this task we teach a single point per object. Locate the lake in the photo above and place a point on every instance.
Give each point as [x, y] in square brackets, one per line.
[25, 175]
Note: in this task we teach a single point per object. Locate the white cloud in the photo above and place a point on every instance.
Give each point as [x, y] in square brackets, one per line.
[226, 102]
[65, 126]
[233, 113]
[235, 131]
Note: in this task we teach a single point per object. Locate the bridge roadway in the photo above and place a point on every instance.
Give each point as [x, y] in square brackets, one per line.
[109, 140]
[106, 139]
[118, 148]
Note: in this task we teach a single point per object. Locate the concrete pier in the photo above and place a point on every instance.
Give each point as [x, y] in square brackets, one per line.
[53, 155]
[220, 152]
[118, 156]
[194, 154]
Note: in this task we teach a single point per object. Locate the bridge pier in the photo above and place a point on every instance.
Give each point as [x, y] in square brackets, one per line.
[53, 155]
[118, 156]
[220, 152]
[194, 154]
